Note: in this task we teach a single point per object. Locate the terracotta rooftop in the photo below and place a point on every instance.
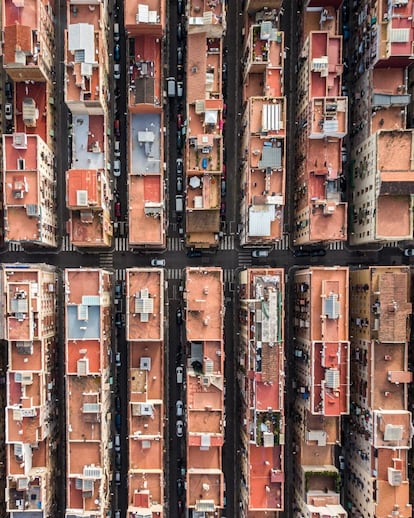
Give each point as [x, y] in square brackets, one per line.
[146, 17]
[145, 306]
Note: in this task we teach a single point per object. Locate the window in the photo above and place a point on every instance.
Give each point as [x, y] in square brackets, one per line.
[20, 164]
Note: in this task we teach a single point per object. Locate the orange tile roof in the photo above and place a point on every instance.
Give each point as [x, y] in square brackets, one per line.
[82, 180]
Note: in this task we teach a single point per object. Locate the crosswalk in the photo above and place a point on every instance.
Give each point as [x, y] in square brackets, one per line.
[227, 243]
[106, 260]
[174, 274]
[15, 247]
[392, 244]
[283, 244]
[67, 245]
[121, 244]
[120, 275]
[336, 245]
[175, 244]
[228, 276]
[245, 258]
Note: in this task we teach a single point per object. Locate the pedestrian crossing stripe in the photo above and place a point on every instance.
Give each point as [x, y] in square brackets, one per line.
[174, 244]
[337, 245]
[121, 244]
[175, 274]
[227, 243]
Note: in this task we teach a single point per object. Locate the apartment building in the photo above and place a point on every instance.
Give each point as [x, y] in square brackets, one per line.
[263, 142]
[28, 327]
[145, 26]
[203, 128]
[380, 426]
[322, 353]
[86, 91]
[381, 169]
[145, 335]
[321, 125]
[204, 373]
[262, 297]
[88, 391]
[28, 148]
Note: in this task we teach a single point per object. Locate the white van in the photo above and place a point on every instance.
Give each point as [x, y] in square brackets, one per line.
[117, 442]
[179, 372]
[117, 168]
[171, 86]
[117, 148]
[179, 203]
[116, 31]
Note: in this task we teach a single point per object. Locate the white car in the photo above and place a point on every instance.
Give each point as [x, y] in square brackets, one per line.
[118, 359]
[180, 428]
[179, 408]
[260, 253]
[179, 372]
[409, 252]
[157, 262]
[8, 111]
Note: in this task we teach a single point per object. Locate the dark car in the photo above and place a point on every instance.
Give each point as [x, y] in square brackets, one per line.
[179, 316]
[8, 90]
[179, 141]
[117, 126]
[194, 253]
[117, 52]
[179, 32]
[224, 72]
[119, 320]
[222, 209]
[118, 404]
[118, 422]
[118, 461]
[180, 506]
[118, 290]
[309, 252]
[180, 7]
[180, 57]
[223, 186]
[118, 212]
[180, 487]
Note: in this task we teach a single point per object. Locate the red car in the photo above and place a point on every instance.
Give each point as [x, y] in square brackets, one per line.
[180, 121]
[118, 213]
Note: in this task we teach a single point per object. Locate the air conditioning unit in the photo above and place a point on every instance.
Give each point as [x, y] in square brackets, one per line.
[145, 409]
[82, 198]
[394, 477]
[205, 381]
[145, 364]
[27, 378]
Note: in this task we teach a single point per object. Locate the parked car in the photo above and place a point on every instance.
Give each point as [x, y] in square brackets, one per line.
[180, 89]
[179, 408]
[117, 52]
[180, 7]
[180, 487]
[179, 31]
[179, 316]
[117, 71]
[8, 89]
[260, 253]
[409, 252]
[117, 126]
[157, 262]
[117, 442]
[118, 404]
[118, 478]
[223, 209]
[224, 73]
[179, 373]
[118, 290]
[8, 111]
[180, 506]
[179, 141]
[179, 166]
[309, 252]
[118, 461]
[118, 359]
[117, 207]
[179, 184]
[180, 121]
[341, 462]
[180, 57]
[223, 186]
[180, 428]
[118, 421]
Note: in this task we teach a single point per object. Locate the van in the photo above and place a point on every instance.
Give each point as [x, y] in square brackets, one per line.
[117, 148]
[171, 86]
[117, 168]
[117, 514]
[179, 89]
[117, 442]
[179, 203]
[118, 478]
[116, 31]
[179, 373]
